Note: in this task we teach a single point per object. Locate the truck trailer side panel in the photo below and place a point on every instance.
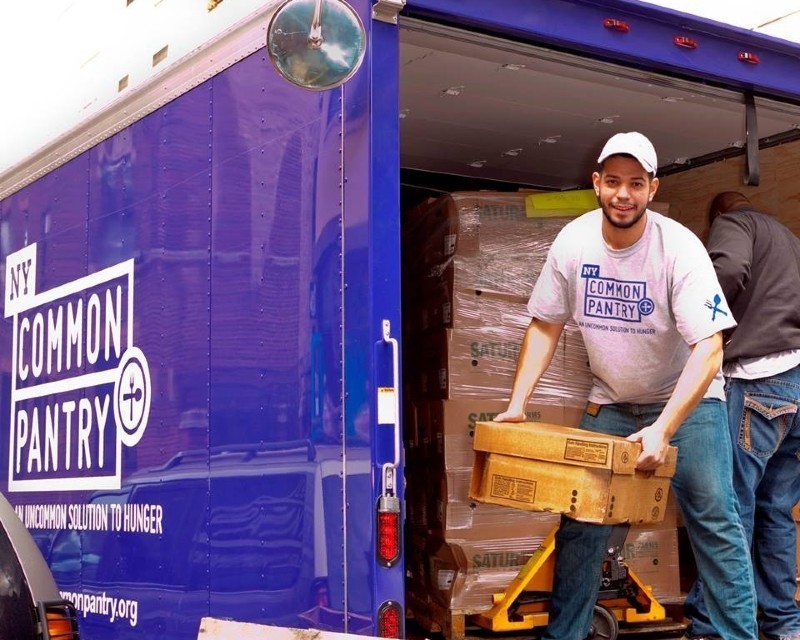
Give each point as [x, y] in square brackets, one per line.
[179, 319]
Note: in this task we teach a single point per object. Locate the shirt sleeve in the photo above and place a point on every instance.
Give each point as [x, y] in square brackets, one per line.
[698, 302]
[550, 299]
[730, 247]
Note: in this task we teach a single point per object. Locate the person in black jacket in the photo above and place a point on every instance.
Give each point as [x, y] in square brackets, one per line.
[757, 260]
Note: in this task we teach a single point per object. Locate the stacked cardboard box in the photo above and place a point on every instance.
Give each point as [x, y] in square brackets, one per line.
[441, 463]
[470, 261]
[540, 466]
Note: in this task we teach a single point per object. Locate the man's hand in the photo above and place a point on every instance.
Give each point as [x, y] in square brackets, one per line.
[510, 415]
[654, 447]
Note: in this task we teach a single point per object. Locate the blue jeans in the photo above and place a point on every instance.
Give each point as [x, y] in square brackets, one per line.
[765, 429]
[703, 488]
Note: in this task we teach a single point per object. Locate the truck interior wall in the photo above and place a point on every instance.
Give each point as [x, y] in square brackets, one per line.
[778, 192]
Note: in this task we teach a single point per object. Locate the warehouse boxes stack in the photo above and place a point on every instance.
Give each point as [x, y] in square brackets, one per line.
[470, 260]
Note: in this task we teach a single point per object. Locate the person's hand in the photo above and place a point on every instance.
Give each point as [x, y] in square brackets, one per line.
[654, 447]
[510, 415]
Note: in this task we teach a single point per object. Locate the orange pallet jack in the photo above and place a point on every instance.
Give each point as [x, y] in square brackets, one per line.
[622, 598]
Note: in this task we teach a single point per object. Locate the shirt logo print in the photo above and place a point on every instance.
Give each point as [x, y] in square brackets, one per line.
[715, 308]
[613, 299]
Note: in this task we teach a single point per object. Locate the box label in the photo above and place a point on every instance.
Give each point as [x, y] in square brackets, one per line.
[444, 579]
[588, 452]
[512, 488]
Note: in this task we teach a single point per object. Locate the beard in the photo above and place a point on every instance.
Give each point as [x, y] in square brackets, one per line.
[626, 224]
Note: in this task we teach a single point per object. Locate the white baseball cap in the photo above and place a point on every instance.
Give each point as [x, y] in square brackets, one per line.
[633, 144]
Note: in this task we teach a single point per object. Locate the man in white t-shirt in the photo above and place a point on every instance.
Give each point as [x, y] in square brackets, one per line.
[645, 297]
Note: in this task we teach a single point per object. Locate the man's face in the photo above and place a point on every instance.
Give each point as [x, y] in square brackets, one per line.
[624, 190]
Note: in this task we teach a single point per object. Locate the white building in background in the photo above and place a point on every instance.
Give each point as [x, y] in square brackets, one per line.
[64, 60]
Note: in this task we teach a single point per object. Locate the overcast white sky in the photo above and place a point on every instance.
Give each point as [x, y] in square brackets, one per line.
[45, 44]
[760, 15]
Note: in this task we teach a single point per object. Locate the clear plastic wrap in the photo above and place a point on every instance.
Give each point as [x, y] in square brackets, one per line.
[470, 262]
[458, 223]
[480, 362]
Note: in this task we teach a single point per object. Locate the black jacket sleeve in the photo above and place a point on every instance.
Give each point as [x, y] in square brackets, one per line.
[730, 246]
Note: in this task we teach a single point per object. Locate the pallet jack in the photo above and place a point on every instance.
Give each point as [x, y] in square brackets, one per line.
[622, 598]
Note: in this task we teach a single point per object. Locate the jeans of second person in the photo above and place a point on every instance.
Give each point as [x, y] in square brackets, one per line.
[703, 488]
[765, 430]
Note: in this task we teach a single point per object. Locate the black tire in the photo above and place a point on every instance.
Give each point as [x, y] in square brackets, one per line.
[604, 625]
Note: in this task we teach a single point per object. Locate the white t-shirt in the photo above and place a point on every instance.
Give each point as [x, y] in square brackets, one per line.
[638, 309]
[763, 367]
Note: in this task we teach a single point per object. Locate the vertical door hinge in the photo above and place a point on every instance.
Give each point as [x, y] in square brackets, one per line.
[751, 177]
[387, 10]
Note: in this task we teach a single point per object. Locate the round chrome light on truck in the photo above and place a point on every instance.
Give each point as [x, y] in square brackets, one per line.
[316, 44]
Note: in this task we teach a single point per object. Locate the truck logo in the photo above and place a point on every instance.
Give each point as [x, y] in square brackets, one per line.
[80, 388]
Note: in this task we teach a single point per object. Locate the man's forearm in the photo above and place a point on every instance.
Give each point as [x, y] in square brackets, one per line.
[538, 347]
[700, 369]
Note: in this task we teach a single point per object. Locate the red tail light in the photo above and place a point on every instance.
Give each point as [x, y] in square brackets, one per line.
[390, 620]
[388, 531]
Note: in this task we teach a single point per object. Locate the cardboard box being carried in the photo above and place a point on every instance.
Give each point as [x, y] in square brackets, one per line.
[589, 476]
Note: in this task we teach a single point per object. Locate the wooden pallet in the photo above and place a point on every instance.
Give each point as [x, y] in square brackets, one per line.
[435, 618]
